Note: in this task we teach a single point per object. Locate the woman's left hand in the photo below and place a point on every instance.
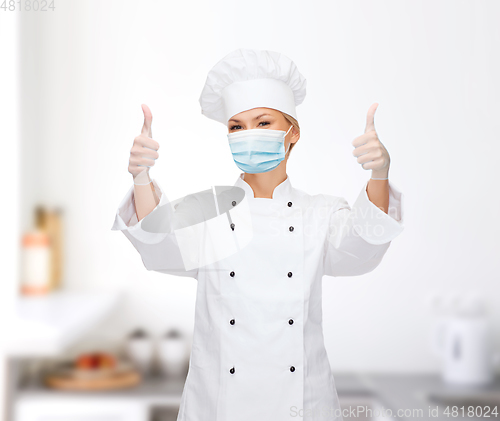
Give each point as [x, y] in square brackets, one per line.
[369, 150]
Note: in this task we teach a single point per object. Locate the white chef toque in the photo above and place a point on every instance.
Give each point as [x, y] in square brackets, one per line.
[249, 78]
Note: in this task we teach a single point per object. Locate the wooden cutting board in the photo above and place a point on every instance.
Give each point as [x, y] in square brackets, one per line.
[111, 380]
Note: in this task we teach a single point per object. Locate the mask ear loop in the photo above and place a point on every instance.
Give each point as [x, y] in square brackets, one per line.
[285, 136]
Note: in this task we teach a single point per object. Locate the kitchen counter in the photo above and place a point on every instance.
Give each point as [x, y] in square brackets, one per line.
[410, 393]
[407, 392]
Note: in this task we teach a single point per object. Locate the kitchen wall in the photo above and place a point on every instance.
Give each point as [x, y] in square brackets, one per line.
[432, 67]
[10, 204]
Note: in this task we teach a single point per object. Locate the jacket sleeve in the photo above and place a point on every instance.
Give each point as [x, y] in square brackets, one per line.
[159, 250]
[358, 237]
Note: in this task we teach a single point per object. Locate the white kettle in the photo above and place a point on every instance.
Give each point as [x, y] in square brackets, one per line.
[462, 338]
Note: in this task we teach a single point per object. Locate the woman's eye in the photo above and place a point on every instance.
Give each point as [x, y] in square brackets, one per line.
[239, 127]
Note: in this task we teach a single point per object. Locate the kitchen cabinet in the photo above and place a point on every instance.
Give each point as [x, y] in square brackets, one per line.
[80, 409]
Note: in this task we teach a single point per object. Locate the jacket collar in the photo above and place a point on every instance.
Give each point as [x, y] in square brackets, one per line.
[282, 191]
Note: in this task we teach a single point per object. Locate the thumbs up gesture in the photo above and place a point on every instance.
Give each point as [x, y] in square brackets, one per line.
[369, 150]
[144, 151]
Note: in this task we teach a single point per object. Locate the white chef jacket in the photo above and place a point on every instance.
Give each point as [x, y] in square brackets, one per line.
[258, 350]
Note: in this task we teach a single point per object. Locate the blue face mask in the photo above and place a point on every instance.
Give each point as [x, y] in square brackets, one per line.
[258, 150]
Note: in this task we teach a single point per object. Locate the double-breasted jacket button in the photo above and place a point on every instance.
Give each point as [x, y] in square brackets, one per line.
[289, 204]
[290, 321]
[231, 321]
[232, 227]
[292, 368]
[289, 274]
[231, 370]
[291, 228]
[234, 203]
[231, 274]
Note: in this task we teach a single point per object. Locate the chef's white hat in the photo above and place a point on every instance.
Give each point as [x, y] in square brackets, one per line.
[248, 78]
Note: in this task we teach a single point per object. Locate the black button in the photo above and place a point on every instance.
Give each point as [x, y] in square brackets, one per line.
[290, 321]
[289, 274]
[232, 370]
[292, 368]
[289, 204]
[234, 203]
[232, 227]
[231, 321]
[231, 274]
[291, 228]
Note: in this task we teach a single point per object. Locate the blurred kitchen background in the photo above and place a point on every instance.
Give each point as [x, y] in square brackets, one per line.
[89, 334]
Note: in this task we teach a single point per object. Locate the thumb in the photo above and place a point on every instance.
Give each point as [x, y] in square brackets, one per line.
[370, 118]
[148, 119]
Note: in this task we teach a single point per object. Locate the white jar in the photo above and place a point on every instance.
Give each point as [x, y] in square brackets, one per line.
[172, 354]
[139, 348]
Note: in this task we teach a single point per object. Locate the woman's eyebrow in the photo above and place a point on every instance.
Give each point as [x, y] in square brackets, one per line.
[256, 118]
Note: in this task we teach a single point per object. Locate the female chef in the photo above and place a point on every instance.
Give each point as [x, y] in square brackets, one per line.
[258, 351]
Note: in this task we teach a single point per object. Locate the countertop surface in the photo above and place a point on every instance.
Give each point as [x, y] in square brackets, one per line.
[410, 395]
[395, 392]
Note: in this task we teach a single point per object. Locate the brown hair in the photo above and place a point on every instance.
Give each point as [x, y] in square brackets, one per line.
[295, 123]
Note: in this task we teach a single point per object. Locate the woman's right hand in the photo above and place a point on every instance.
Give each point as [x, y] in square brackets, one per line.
[144, 151]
